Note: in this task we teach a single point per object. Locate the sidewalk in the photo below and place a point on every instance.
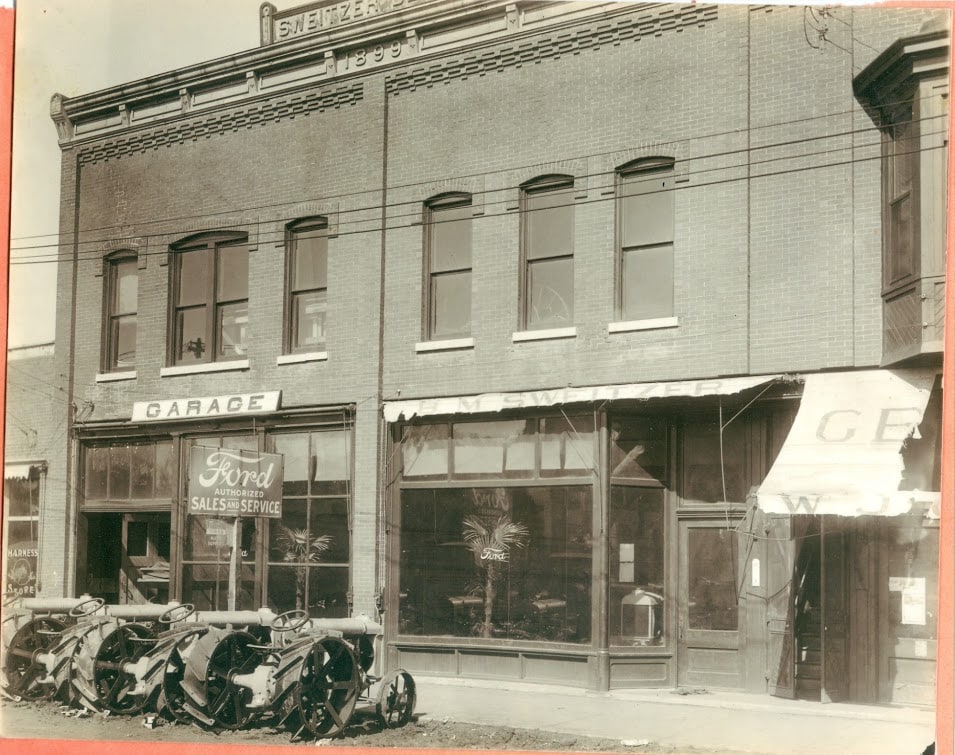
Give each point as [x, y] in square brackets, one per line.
[718, 721]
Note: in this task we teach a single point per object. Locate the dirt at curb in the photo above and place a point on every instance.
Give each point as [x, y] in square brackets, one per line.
[32, 720]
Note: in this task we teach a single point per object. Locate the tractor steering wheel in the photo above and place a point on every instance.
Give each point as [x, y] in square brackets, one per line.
[86, 608]
[289, 621]
[173, 614]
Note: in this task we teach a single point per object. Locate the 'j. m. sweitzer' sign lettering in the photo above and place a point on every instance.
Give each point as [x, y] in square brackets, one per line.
[229, 482]
[207, 407]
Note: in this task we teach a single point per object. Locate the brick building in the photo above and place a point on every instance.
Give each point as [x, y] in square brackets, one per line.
[595, 343]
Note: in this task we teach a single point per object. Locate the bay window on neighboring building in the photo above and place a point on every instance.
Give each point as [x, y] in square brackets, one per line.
[122, 288]
[307, 303]
[493, 544]
[645, 212]
[210, 295]
[448, 221]
[547, 217]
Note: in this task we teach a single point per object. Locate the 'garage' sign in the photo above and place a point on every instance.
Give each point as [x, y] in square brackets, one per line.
[230, 482]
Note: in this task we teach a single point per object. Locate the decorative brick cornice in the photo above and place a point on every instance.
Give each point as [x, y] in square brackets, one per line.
[648, 24]
[255, 114]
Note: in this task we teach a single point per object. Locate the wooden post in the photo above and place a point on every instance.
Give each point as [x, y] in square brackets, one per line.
[234, 561]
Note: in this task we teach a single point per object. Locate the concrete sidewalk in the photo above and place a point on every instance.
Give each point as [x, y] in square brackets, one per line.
[718, 721]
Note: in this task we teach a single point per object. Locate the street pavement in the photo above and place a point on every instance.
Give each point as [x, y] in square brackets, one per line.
[712, 720]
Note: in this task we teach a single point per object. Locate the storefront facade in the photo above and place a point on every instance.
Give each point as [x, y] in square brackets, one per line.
[539, 390]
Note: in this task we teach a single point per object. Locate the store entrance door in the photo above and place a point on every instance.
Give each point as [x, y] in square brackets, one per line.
[708, 647]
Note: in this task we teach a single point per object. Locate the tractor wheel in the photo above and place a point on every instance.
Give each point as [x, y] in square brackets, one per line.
[329, 683]
[100, 679]
[211, 695]
[21, 667]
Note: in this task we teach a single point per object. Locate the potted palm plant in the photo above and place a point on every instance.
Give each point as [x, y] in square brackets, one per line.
[300, 547]
[491, 545]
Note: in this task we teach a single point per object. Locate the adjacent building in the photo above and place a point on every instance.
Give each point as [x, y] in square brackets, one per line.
[591, 343]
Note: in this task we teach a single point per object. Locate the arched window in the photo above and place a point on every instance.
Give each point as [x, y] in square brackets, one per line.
[448, 266]
[121, 297]
[307, 301]
[211, 299]
[547, 218]
[645, 239]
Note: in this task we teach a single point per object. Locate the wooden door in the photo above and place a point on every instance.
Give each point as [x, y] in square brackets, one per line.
[144, 570]
[834, 599]
[708, 648]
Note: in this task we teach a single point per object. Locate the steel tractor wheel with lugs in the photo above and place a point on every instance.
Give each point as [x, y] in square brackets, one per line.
[329, 683]
[25, 639]
[211, 696]
[396, 699]
[103, 679]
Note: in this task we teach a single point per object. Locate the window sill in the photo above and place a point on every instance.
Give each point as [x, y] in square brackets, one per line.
[195, 369]
[543, 335]
[654, 324]
[115, 377]
[448, 344]
[308, 356]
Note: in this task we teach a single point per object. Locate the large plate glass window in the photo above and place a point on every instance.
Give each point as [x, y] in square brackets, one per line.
[21, 529]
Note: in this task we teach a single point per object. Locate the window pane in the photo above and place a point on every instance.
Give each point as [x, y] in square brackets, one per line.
[328, 518]
[451, 238]
[97, 464]
[20, 545]
[194, 283]
[902, 257]
[119, 472]
[507, 563]
[294, 447]
[191, 343]
[233, 273]
[332, 453]
[703, 478]
[125, 287]
[309, 259]
[233, 321]
[638, 449]
[549, 219]
[646, 209]
[328, 592]
[123, 338]
[647, 280]
[567, 445]
[165, 481]
[425, 451]
[209, 539]
[550, 287]
[206, 586]
[451, 305]
[636, 566]
[290, 540]
[486, 447]
[308, 320]
[711, 579]
[21, 497]
[142, 470]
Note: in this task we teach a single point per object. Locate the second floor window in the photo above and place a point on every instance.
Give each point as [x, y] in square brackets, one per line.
[448, 240]
[547, 215]
[901, 180]
[307, 285]
[211, 295]
[645, 232]
[122, 290]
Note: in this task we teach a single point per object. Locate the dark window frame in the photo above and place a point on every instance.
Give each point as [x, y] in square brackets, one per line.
[112, 361]
[642, 169]
[290, 336]
[898, 150]
[433, 208]
[529, 191]
[212, 244]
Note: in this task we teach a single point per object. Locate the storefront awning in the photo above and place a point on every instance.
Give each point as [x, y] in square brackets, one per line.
[496, 402]
[842, 455]
[17, 471]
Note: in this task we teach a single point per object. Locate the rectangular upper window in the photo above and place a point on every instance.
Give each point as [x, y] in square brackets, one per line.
[211, 296]
[547, 217]
[645, 239]
[122, 288]
[448, 266]
[901, 179]
[307, 304]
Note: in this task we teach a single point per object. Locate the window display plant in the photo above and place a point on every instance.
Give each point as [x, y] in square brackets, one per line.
[491, 544]
[300, 547]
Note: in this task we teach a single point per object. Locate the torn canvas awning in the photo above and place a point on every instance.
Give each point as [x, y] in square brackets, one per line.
[496, 402]
[842, 455]
[17, 471]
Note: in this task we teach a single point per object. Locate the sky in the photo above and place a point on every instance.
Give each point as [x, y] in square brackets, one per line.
[75, 47]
